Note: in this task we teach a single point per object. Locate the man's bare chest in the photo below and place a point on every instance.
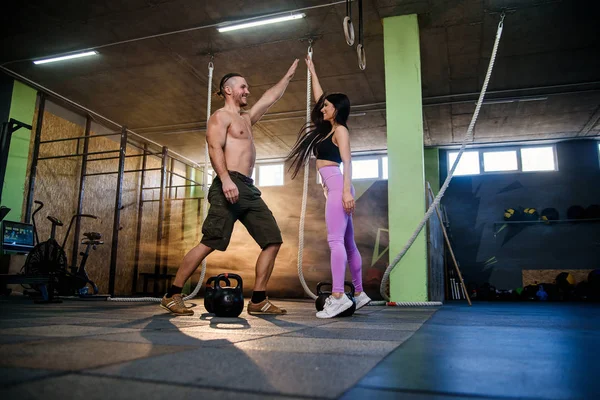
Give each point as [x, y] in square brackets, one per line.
[240, 129]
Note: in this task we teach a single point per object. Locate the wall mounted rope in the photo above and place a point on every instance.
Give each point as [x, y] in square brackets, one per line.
[305, 187]
[205, 177]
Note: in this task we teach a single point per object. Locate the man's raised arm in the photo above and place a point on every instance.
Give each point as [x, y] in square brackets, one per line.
[272, 95]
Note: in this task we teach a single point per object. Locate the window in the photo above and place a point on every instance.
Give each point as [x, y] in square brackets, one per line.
[495, 161]
[384, 167]
[468, 164]
[509, 159]
[538, 159]
[365, 169]
[270, 175]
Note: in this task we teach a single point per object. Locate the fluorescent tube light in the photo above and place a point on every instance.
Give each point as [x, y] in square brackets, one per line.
[261, 22]
[69, 57]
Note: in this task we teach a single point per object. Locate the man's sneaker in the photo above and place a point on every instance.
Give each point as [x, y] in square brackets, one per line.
[361, 300]
[265, 307]
[176, 305]
[334, 306]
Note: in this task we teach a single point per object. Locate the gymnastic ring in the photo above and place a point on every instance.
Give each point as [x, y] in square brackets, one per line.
[349, 31]
[362, 57]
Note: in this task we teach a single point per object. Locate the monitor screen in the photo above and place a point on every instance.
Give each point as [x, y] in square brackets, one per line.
[17, 236]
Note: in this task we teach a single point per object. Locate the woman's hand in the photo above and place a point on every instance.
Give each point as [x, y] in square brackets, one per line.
[317, 89]
[348, 202]
[310, 65]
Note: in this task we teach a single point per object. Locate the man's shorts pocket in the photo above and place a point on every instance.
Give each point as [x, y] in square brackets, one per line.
[215, 224]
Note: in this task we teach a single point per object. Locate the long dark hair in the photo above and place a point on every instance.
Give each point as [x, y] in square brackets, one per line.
[315, 131]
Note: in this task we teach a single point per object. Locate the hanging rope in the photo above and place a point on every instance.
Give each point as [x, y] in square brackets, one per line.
[348, 26]
[205, 177]
[204, 206]
[305, 188]
[437, 199]
[360, 49]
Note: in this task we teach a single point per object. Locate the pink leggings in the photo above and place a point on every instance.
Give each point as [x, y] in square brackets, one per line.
[340, 232]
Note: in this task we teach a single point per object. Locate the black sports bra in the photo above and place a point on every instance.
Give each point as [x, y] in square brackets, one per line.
[327, 150]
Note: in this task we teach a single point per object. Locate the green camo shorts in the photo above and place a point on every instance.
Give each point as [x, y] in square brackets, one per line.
[250, 209]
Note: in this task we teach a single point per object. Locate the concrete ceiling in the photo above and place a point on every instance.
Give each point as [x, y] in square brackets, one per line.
[546, 79]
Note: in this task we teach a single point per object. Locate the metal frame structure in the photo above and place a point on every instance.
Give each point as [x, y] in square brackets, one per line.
[165, 199]
[6, 131]
[160, 269]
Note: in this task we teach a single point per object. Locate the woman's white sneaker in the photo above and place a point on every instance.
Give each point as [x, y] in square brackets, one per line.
[334, 306]
[361, 300]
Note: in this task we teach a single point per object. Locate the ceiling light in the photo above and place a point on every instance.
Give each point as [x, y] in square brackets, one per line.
[261, 22]
[69, 57]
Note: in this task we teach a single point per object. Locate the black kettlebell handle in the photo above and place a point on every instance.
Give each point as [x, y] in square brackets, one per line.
[319, 287]
[215, 281]
[346, 283]
[352, 288]
[228, 275]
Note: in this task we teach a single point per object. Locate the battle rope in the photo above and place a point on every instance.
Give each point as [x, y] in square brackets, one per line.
[305, 190]
[437, 199]
[204, 208]
[205, 179]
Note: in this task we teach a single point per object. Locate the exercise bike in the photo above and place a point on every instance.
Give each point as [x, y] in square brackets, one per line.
[76, 281]
[49, 258]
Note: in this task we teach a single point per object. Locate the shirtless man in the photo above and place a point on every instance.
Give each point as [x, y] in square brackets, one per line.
[232, 195]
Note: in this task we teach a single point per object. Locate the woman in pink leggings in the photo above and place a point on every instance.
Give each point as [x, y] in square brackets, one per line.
[327, 137]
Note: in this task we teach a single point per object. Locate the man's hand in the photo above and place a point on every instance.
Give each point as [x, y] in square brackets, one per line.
[230, 190]
[292, 70]
[348, 202]
[271, 95]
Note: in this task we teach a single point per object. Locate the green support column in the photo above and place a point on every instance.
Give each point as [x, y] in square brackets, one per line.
[406, 187]
[22, 108]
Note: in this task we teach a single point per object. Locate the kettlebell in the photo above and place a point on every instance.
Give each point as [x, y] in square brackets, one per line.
[210, 291]
[228, 301]
[323, 295]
